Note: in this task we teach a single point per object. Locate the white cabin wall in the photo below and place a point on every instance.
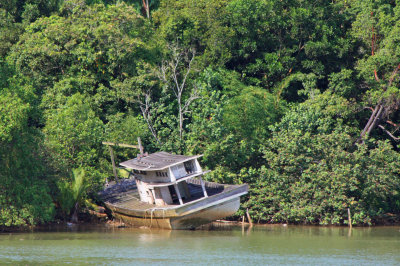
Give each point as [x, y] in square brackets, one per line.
[142, 190]
[161, 195]
[151, 177]
[179, 170]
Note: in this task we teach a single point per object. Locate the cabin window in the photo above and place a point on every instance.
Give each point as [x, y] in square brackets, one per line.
[189, 167]
[140, 172]
[161, 174]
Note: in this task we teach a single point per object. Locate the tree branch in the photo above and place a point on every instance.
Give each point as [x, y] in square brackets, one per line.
[371, 119]
[388, 132]
[188, 69]
[376, 119]
[391, 123]
[145, 109]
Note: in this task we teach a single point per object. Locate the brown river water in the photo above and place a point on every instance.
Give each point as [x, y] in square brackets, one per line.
[220, 245]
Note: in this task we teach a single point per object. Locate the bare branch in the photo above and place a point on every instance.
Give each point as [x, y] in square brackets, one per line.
[175, 73]
[393, 124]
[387, 132]
[370, 108]
[163, 72]
[376, 119]
[195, 95]
[146, 113]
[188, 69]
[371, 119]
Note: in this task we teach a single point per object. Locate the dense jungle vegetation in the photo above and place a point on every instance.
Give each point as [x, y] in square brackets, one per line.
[298, 98]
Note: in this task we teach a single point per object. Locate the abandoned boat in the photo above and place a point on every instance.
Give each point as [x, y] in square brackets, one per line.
[167, 191]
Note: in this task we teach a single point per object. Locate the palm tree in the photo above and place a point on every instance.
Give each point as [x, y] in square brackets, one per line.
[71, 193]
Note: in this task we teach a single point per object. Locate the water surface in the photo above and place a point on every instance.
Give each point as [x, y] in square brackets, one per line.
[260, 245]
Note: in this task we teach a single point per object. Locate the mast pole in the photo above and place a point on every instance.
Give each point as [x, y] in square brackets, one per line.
[109, 144]
[140, 146]
[113, 163]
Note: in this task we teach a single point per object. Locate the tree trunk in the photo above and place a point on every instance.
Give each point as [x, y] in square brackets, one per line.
[372, 121]
[376, 119]
[74, 218]
[149, 124]
[180, 120]
[180, 125]
[147, 9]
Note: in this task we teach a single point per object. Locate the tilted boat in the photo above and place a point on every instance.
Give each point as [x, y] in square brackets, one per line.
[167, 191]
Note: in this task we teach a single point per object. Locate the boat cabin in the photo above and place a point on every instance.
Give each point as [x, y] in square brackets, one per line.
[161, 177]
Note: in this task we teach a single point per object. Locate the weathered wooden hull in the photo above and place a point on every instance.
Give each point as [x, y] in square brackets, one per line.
[189, 221]
[188, 216]
[207, 215]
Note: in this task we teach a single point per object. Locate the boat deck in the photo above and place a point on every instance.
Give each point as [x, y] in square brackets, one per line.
[125, 194]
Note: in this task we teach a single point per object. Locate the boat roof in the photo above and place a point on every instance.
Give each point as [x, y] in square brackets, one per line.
[157, 161]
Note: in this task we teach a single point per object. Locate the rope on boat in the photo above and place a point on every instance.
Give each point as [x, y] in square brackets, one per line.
[152, 210]
[151, 217]
[145, 216]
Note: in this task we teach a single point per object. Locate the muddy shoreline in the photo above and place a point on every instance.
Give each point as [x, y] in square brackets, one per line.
[91, 220]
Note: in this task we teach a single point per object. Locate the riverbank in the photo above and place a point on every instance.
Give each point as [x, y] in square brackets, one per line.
[100, 216]
[91, 220]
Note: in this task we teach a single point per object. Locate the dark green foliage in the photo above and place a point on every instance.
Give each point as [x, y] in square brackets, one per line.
[25, 179]
[274, 39]
[124, 128]
[9, 32]
[15, 15]
[74, 133]
[316, 185]
[29, 10]
[249, 114]
[313, 173]
[229, 127]
[198, 24]
[276, 94]
[91, 50]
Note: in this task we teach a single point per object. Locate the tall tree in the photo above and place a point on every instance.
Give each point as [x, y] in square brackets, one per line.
[26, 172]
[174, 73]
[378, 26]
[92, 50]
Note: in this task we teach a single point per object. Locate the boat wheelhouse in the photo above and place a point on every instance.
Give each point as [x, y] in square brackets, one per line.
[168, 191]
[161, 177]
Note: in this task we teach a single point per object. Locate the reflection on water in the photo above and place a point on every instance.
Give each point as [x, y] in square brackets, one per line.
[226, 245]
